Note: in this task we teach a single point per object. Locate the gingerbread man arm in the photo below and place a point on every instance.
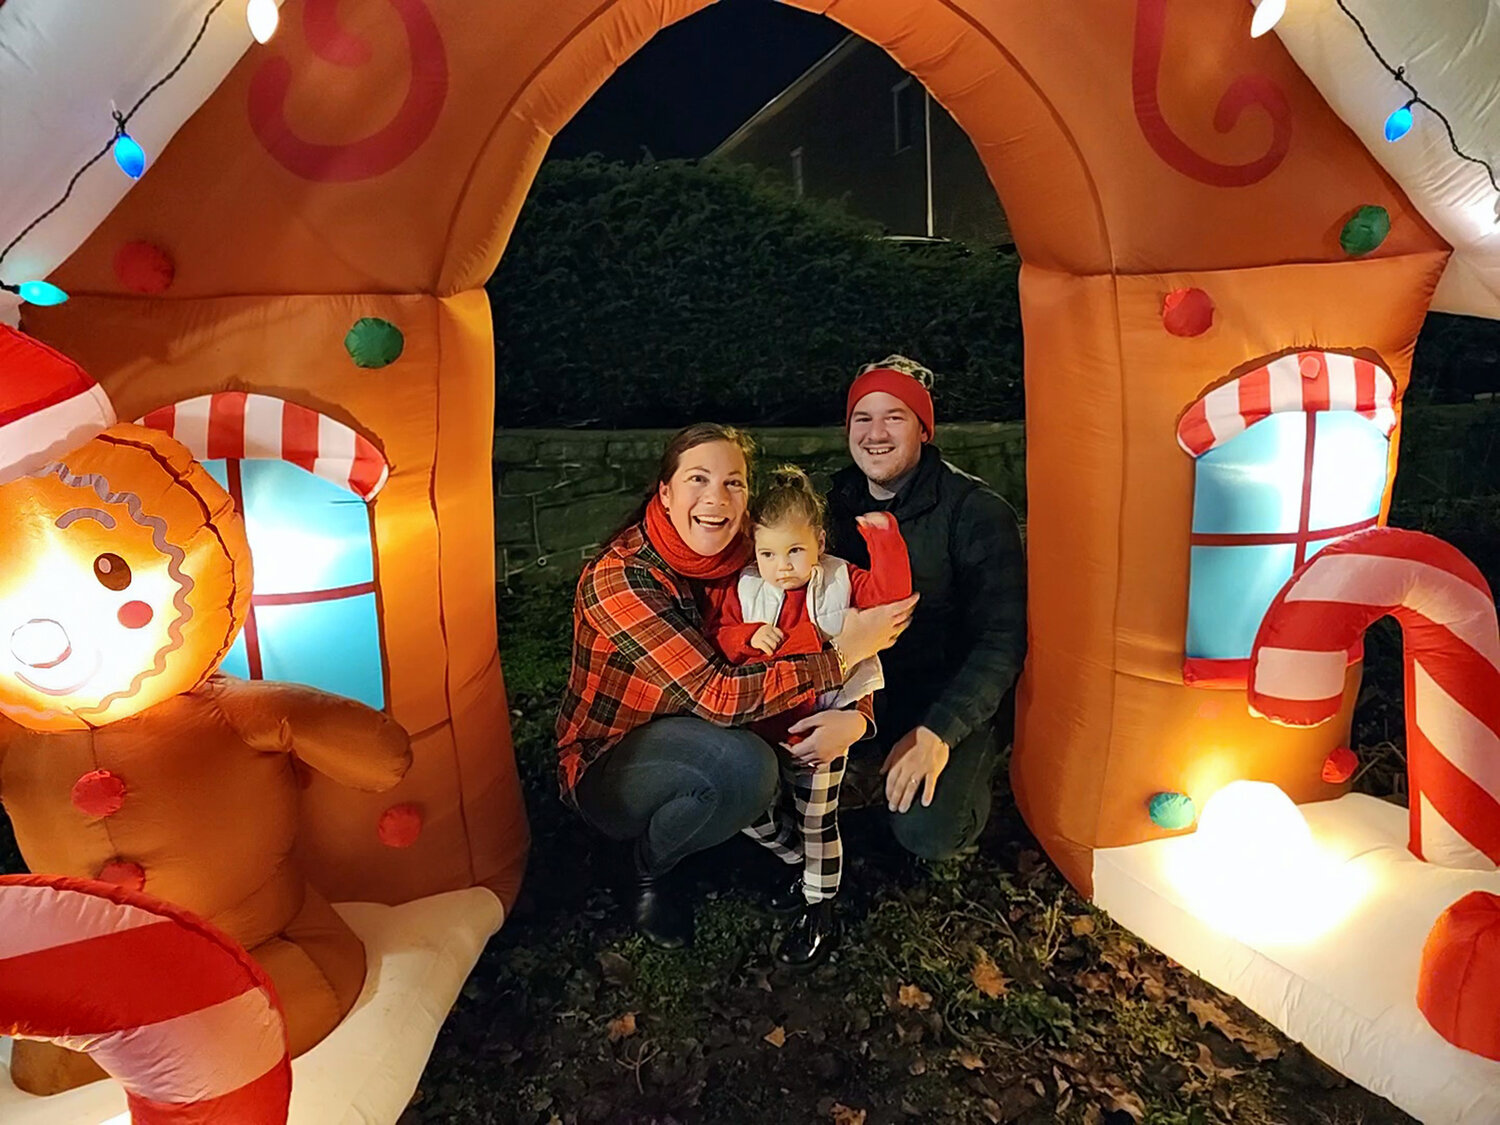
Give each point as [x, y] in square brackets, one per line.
[342, 739]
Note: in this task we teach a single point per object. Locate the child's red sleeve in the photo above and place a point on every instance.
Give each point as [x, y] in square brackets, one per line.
[889, 576]
[725, 625]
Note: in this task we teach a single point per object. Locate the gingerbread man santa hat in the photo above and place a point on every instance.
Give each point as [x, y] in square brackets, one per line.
[48, 405]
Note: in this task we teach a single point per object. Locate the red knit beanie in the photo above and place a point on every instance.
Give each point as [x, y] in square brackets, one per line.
[898, 383]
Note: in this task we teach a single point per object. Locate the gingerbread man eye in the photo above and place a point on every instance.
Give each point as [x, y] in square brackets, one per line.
[112, 571]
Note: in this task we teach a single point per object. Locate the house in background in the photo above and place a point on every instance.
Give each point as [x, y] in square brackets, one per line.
[857, 127]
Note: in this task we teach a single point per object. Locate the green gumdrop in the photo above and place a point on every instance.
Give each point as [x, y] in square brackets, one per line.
[1365, 230]
[374, 342]
[1172, 810]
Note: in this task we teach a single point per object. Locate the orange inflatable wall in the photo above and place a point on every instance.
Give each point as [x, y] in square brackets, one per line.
[372, 159]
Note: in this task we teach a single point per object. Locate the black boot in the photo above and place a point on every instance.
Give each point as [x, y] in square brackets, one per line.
[787, 897]
[810, 938]
[660, 909]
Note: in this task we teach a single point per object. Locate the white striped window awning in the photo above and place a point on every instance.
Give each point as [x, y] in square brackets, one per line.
[1304, 382]
[240, 425]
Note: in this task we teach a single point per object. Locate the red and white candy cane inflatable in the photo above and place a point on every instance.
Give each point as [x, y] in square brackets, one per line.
[1447, 618]
[171, 1008]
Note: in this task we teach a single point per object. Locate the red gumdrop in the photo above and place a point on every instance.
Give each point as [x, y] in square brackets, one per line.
[143, 267]
[1458, 988]
[98, 794]
[1187, 312]
[1340, 765]
[400, 825]
[123, 873]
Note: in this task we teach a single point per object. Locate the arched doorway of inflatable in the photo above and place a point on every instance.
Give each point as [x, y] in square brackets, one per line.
[1177, 192]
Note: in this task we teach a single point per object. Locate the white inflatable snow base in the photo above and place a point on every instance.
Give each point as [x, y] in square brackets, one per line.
[419, 955]
[1330, 955]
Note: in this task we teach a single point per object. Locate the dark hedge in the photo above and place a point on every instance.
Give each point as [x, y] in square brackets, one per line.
[660, 294]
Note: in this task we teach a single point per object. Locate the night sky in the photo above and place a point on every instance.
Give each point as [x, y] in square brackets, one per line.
[699, 80]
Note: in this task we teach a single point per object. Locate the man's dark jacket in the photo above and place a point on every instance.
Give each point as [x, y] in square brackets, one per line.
[961, 654]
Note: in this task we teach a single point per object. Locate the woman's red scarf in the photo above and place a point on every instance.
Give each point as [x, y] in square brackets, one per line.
[682, 558]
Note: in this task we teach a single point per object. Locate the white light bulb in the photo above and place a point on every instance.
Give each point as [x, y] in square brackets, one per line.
[262, 16]
[1266, 16]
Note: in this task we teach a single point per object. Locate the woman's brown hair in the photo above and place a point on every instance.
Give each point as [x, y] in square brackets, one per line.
[699, 433]
[788, 494]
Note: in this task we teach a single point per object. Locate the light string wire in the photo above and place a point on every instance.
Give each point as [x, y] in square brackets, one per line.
[121, 120]
[1399, 74]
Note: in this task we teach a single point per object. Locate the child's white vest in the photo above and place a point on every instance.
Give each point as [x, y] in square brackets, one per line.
[829, 592]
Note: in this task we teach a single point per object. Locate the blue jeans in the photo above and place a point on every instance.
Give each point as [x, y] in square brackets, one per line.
[677, 786]
[960, 806]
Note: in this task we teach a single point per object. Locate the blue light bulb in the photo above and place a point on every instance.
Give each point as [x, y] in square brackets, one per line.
[129, 156]
[1398, 124]
[41, 293]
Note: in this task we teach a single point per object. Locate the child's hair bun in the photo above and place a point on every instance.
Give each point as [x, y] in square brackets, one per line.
[788, 492]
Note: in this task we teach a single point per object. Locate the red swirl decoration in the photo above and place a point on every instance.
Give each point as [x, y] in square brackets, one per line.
[380, 151]
[1244, 92]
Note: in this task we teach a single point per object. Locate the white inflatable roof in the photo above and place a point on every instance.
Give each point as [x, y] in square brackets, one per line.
[1451, 54]
[61, 64]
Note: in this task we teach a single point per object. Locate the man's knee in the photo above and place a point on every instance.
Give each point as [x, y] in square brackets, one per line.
[927, 837]
[931, 834]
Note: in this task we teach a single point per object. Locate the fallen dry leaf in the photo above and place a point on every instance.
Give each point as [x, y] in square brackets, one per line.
[988, 978]
[622, 1028]
[776, 1037]
[1210, 1067]
[970, 1061]
[1259, 1043]
[1125, 1100]
[911, 996]
[1084, 925]
[843, 1115]
[918, 1067]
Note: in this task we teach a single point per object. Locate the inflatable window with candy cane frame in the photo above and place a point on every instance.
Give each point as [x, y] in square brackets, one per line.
[1289, 457]
[292, 472]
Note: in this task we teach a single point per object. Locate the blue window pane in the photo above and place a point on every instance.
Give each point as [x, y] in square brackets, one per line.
[1252, 484]
[1350, 460]
[1229, 592]
[305, 533]
[332, 645]
[237, 663]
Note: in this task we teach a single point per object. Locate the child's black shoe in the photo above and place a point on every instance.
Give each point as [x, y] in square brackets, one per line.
[810, 938]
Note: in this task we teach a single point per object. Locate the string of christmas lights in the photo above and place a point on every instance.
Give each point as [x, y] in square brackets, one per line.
[261, 15]
[1401, 119]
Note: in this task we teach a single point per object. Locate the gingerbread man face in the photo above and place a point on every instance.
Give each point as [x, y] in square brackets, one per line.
[124, 579]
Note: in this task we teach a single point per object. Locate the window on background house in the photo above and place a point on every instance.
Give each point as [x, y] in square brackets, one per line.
[797, 184]
[1289, 458]
[906, 112]
[303, 483]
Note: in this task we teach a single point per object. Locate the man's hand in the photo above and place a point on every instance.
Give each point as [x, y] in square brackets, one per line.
[829, 734]
[767, 638]
[868, 631]
[914, 764]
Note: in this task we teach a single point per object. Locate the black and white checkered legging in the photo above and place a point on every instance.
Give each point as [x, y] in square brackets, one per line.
[802, 826]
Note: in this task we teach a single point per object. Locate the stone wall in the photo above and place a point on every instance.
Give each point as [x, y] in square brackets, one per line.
[560, 493]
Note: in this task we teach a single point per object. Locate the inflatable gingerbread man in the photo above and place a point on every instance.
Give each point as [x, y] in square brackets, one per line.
[124, 579]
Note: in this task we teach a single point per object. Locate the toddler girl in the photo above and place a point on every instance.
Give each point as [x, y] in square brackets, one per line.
[783, 604]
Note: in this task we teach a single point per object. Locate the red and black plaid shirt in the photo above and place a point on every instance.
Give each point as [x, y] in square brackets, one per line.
[639, 654]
